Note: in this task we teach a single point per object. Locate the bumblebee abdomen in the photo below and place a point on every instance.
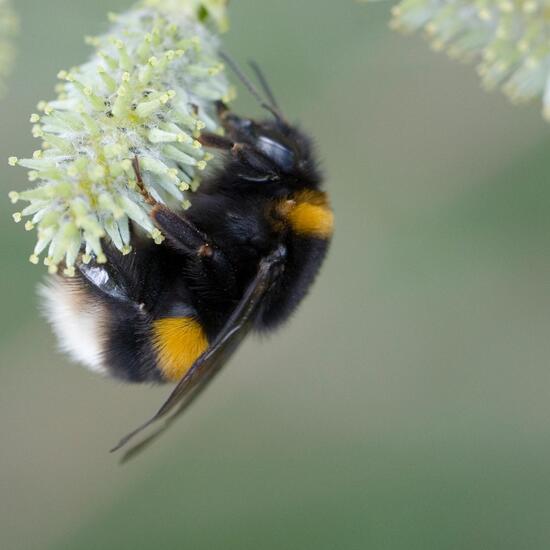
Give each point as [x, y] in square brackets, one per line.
[115, 338]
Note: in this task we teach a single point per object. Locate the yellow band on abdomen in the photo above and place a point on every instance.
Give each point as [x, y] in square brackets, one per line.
[178, 342]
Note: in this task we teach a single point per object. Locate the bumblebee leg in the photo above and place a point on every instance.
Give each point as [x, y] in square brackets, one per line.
[262, 168]
[141, 186]
[222, 109]
[181, 232]
[216, 142]
[256, 166]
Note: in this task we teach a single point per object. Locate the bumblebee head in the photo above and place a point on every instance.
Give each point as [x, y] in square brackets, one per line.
[271, 151]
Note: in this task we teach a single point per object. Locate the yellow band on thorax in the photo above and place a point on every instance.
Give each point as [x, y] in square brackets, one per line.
[309, 214]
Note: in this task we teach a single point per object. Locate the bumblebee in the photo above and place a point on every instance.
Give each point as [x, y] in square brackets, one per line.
[240, 259]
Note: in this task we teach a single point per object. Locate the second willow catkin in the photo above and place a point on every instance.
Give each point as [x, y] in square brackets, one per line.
[509, 39]
[8, 29]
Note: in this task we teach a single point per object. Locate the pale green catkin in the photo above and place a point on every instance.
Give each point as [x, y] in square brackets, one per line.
[8, 29]
[147, 92]
[510, 40]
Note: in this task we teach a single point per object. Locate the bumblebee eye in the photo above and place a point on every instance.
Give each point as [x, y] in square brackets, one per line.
[282, 156]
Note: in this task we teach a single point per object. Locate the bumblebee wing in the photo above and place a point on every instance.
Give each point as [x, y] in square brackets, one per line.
[213, 359]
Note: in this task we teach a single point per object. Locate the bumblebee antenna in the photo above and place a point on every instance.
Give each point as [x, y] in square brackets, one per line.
[264, 84]
[273, 109]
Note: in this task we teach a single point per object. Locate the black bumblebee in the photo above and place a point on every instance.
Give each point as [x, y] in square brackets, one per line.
[241, 258]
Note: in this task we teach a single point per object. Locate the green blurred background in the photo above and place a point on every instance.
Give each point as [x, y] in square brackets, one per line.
[406, 406]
